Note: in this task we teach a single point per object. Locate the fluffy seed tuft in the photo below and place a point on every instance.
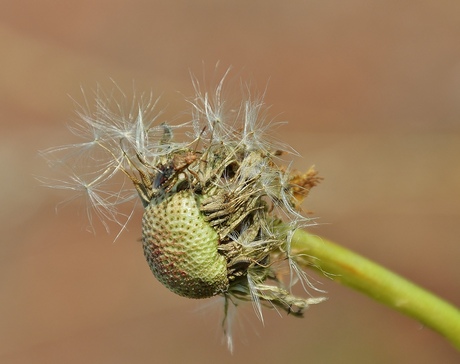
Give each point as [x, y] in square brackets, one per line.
[219, 208]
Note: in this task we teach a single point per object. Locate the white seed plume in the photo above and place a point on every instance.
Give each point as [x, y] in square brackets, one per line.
[219, 206]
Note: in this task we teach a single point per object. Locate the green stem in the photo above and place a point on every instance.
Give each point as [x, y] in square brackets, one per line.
[355, 271]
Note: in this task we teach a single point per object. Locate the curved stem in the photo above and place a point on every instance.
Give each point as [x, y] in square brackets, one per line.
[353, 270]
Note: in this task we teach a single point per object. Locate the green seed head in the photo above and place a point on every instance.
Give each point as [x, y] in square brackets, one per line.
[181, 247]
[213, 197]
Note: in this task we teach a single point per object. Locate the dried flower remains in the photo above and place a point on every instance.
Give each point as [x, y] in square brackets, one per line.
[219, 206]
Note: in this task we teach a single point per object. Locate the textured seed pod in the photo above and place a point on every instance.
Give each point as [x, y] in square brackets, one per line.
[181, 247]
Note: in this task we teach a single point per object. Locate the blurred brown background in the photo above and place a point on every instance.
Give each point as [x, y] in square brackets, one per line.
[371, 91]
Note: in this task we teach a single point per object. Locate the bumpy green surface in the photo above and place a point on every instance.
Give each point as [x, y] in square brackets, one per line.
[181, 247]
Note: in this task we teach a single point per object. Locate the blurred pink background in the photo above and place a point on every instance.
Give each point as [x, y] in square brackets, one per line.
[371, 91]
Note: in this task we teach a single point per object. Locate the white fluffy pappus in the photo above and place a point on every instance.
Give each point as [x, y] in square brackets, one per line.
[225, 170]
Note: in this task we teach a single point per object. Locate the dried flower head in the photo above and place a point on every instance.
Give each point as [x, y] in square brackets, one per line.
[213, 203]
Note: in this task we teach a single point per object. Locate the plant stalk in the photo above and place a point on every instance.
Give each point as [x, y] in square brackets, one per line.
[353, 270]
